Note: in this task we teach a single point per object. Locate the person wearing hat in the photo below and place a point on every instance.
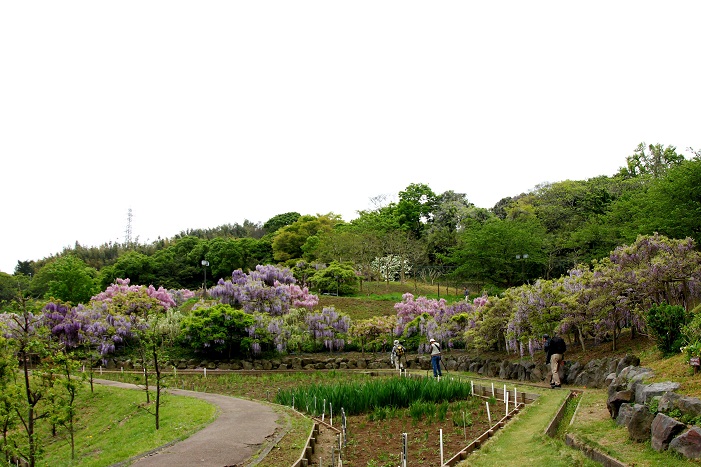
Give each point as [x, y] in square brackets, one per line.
[555, 348]
[396, 356]
[435, 357]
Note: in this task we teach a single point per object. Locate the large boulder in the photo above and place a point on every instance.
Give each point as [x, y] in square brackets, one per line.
[628, 379]
[645, 392]
[628, 360]
[594, 373]
[616, 399]
[663, 430]
[688, 444]
[451, 364]
[625, 412]
[690, 406]
[505, 369]
[640, 423]
[492, 369]
[573, 371]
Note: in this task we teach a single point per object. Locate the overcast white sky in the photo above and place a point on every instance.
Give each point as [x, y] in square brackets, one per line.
[197, 114]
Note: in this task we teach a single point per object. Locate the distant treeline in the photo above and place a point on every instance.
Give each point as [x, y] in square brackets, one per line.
[539, 234]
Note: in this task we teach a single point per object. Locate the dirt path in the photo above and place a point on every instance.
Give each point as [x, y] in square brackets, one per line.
[242, 429]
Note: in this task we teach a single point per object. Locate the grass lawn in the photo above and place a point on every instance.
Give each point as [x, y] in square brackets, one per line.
[523, 440]
[112, 426]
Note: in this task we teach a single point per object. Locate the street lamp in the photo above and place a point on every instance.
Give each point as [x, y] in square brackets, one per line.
[205, 263]
[523, 259]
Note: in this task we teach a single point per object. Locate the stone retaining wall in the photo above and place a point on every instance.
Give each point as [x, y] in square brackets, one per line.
[594, 374]
[645, 409]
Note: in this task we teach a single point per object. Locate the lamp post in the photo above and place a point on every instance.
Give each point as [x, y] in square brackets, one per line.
[523, 259]
[205, 263]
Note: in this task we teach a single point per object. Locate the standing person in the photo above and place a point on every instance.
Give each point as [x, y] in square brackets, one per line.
[396, 356]
[555, 348]
[435, 358]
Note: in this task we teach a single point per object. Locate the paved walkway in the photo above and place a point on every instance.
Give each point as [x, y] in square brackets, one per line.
[242, 429]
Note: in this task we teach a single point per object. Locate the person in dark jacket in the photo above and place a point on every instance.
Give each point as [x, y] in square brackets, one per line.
[555, 348]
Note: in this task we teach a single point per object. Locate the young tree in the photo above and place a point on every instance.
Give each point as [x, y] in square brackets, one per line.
[9, 396]
[23, 329]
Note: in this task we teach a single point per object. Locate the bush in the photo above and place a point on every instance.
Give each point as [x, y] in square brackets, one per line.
[665, 323]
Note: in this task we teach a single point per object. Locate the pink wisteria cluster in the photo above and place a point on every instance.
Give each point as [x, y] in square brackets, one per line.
[164, 296]
[435, 319]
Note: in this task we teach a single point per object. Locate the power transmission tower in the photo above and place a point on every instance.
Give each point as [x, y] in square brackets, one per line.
[127, 232]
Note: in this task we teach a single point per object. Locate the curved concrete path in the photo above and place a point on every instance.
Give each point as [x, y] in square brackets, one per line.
[242, 429]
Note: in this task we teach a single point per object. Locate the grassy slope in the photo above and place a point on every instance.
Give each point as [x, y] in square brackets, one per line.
[594, 427]
[111, 427]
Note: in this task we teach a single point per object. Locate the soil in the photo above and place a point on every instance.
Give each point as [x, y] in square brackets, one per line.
[379, 442]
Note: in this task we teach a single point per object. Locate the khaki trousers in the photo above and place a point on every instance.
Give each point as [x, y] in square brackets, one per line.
[555, 360]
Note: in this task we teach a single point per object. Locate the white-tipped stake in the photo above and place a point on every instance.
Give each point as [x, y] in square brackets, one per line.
[472, 387]
[330, 414]
[205, 372]
[489, 415]
[493, 390]
[405, 449]
[515, 397]
[441, 436]
[507, 403]
[323, 413]
[100, 369]
[122, 369]
[505, 394]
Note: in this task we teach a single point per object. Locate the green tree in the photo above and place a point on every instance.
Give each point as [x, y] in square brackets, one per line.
[672, 204]
[218, 330]
[380, 220]
[279, 221]
[665, 323]
[289, 240]
[652, 160]
[338, 278]
[25, 268]
[417, 203]
[225, 255]
[68, 279]
[493, 252]
[133, 265]
[11, 286]
[452, 210]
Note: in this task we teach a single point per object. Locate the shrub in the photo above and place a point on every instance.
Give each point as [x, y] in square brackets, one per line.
[665, 324]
